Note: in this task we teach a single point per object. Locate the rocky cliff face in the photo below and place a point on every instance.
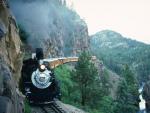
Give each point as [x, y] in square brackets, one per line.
[11, 100]
[50, 24]
[113, 79]
[146, 95]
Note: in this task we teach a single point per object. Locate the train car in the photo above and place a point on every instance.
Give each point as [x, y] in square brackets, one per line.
[38, 81]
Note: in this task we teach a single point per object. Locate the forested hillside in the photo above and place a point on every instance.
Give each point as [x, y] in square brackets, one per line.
[95, 92]
[117, 51]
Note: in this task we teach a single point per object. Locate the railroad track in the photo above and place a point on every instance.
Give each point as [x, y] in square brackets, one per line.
[52, 108]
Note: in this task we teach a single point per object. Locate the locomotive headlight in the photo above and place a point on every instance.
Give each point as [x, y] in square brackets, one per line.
[42, 68]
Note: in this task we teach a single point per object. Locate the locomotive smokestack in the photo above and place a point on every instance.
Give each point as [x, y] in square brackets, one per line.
[39, 54]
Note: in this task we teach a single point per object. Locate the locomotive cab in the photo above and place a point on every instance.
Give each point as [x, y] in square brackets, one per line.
[38, 80]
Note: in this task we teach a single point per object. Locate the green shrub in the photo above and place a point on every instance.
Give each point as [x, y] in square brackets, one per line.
[27, 107]
[63, 74]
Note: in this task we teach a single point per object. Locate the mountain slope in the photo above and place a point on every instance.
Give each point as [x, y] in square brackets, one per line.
[117, 51]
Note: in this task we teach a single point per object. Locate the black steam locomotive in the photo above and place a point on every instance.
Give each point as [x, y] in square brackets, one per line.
[38, 80]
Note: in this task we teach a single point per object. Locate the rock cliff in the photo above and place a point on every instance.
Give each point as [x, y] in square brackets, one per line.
[50, 24]
[146, 95]
[109, 78]
[11, 100]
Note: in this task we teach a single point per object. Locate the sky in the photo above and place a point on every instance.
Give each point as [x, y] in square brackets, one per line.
[131, 18]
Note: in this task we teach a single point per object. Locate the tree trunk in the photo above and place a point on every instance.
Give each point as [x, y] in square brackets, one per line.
[83, 100]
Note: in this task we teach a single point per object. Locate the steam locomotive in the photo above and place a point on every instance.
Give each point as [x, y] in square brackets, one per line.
[38, 80]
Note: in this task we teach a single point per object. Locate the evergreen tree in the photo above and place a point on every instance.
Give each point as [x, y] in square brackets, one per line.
[127, 96]
[107, 105]
[85, 78]
[105, 82]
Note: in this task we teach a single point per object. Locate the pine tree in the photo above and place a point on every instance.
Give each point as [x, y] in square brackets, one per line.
[127, 96]
[85, 78]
